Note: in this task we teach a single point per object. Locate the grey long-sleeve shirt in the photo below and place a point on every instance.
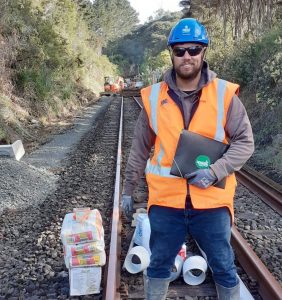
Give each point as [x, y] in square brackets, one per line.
[238, 130]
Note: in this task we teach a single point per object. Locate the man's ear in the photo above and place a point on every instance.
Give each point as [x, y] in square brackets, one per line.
[170, 53]
[204, 52]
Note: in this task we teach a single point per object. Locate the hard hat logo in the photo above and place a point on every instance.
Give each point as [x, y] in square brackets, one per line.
[186, 30]
[198, 32]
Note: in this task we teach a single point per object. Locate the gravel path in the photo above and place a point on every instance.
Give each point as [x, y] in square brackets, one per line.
[21, 184]
[34, 177]
[52, 154]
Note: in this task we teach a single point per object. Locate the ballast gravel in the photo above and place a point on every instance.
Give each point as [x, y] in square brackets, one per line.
[22, 184]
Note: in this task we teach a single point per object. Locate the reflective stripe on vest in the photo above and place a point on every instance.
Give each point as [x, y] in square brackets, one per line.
[220, 134]
[154, 96]
[158, 170]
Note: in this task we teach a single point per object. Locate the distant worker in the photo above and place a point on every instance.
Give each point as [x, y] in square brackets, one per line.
[192, 98]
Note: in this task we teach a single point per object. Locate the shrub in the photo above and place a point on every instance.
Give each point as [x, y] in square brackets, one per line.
[254, 65]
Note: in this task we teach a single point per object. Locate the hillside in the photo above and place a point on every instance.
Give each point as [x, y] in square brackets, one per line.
[50, 59]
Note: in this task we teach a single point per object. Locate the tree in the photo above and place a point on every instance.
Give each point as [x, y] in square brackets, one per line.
[106, 19]
[150, 36]
[244, 18]
[153, 68]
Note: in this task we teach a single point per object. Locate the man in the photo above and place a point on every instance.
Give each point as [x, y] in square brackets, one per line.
[192, 98]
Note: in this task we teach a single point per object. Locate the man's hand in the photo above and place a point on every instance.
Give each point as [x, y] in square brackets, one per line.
[127, 206]
[201, 178]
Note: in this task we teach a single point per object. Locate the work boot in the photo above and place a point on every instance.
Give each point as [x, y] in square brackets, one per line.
[224, 293]
[155, 288]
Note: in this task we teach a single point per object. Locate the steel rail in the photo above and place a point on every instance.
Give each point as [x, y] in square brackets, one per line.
[269, 287]
[138, 102]
[112, 282]
[270, 192]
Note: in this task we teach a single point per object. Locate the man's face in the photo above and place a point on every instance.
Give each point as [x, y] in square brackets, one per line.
[188, 66]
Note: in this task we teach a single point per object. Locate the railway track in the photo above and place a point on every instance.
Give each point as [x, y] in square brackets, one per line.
[268, 190]
[269, 288]
[131, 92]
[31, 259]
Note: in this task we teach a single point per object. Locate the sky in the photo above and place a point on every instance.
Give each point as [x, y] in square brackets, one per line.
[146, 8]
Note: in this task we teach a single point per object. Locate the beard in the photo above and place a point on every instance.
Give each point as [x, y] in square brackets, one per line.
[188, 74]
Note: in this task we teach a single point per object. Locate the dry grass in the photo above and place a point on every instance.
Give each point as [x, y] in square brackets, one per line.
[9, 112]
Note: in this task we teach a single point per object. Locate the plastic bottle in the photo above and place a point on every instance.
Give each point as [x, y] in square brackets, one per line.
[146, 233]
[182, 252]
[138, 230]
[178, 263]
[177, 268]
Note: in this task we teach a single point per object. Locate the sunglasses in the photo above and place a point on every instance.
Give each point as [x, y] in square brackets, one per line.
[192, 50]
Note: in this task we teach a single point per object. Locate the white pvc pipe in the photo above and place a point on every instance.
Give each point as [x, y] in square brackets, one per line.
[198, 263]
[143, 257]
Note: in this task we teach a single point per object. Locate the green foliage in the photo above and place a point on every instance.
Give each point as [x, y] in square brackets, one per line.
[54, 52]
[254, 65]
[131, 51]
[108, 19]
[3, 136]
[37, 82]
[162, 60]
[50, 57]
[153, 67]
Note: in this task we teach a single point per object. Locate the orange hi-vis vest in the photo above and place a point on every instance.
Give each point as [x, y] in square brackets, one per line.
[166, 120]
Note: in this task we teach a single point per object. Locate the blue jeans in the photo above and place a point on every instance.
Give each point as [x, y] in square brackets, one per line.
[211, 229]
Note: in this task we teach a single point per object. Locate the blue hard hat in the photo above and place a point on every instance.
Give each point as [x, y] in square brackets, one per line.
[188, 30]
